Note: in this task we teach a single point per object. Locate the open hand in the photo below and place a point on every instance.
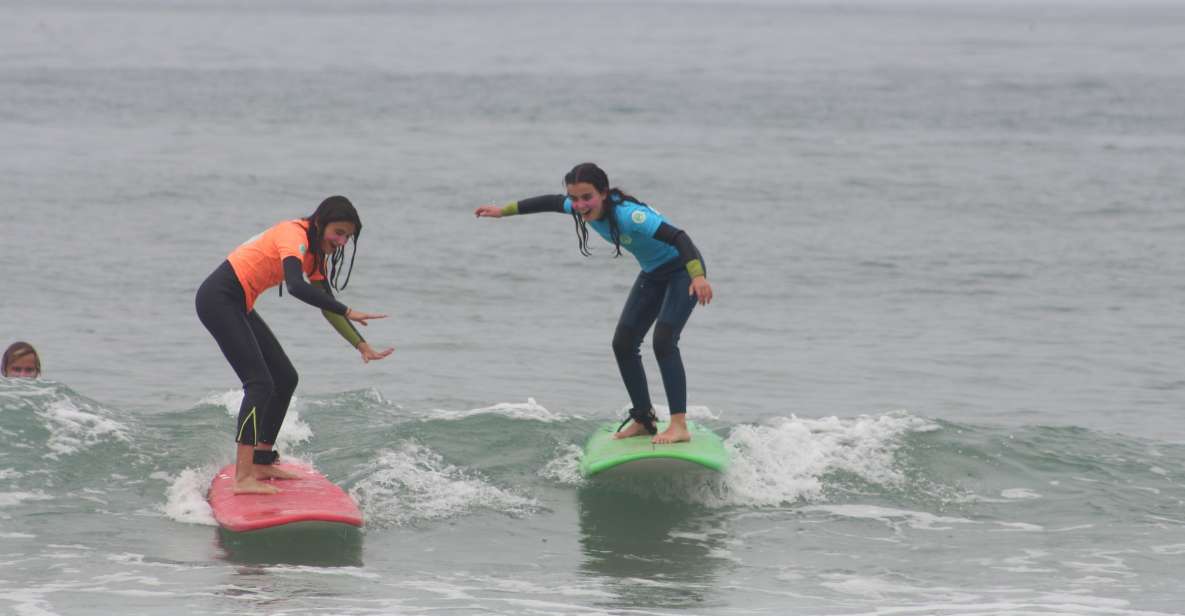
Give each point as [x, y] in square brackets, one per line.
[369, 353]
[701, 290]
[362, 317]
[488, 211]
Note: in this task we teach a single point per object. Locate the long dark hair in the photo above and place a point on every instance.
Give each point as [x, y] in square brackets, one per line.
[333, 209]
[591, 173]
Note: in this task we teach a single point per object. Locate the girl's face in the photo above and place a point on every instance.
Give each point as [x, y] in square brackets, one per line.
[24, 366]
[336, 235]
[586, 200]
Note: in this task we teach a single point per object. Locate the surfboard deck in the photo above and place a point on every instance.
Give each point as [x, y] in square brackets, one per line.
[309, 498]
[602, 452]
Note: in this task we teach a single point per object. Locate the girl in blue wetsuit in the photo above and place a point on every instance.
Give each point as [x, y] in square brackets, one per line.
[672, 280]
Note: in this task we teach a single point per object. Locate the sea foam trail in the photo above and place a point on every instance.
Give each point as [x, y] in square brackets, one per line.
[784, 460]
[413, 483]
[529, 410]
[779, 462]
[71, 423]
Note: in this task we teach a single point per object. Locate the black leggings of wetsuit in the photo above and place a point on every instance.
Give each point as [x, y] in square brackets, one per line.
[268, 377]
[659, 296]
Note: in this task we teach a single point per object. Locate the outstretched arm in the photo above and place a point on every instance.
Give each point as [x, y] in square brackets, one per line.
[543, 203]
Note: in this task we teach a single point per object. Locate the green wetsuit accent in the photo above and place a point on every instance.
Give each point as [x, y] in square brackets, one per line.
[254, 427]
[343, 327]
[510, 209]
[340, 322]
[695, 268]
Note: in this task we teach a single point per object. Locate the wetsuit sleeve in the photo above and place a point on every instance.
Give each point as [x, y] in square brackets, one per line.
[340, 322]
[533, 205]
[687, 250]
[307, 293]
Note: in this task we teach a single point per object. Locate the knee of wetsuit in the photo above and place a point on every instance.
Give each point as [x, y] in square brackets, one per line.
[625, 342]
[285, 381]
[260, 389]
[666, 341]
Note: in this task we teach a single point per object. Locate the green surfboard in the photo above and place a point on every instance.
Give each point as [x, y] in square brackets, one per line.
[602, 452]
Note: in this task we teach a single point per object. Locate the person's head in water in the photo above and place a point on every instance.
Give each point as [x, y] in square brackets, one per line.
[592, 199]
[330, 229]
[20, 361]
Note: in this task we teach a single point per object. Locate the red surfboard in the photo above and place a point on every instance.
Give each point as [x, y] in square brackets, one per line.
[310, 498]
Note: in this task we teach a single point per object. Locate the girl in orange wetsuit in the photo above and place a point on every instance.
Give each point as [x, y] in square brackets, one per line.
[225, 302]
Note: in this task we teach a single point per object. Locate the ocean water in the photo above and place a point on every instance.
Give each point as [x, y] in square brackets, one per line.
[945, 351]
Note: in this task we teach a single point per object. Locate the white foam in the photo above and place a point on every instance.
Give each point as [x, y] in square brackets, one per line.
[28, 602]
[140, 560]
[294, 430]
[784, 460]
[723, 554]
[1176, 548]
[565, 468]
[913, 519]
[1020, 527]
[370, 394]
[353, 572]
[415, 483]
[229, 400]
[1028, 563]
[877, 587]
[73, 429]
[1019, 493]
[697, 537]
[1107, 566]
[529, 410]
[187, 497]
[1044, 605]
[8, 499]
[1071, 528]
[374, 394]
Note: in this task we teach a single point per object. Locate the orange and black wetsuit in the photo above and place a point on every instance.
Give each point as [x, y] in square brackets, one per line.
[225, 304]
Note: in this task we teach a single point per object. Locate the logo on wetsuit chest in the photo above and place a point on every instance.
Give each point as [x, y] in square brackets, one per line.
[638, 217]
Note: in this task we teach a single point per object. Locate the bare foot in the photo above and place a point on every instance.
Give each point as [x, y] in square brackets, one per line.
[674, 433]
[267, 471]
[634, 429]
[253, 486]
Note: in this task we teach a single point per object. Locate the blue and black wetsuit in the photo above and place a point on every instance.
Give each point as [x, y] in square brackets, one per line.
[669, 261]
